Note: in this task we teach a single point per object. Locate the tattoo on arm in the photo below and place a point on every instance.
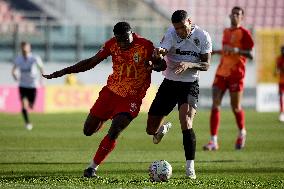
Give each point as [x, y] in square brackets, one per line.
[204, 63]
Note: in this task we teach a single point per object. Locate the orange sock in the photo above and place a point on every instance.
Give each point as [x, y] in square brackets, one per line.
[214, 121]
[106, 146]
[240, 119]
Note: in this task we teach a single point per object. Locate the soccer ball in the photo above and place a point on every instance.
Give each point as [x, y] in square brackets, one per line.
[160, 171]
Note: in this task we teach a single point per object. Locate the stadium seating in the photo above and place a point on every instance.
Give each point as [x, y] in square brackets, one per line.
[213, 15]
[9, 18]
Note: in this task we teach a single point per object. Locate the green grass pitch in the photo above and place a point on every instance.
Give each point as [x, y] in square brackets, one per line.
[55, 153]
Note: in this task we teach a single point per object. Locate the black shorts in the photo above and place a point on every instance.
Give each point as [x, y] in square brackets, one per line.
[171, 93]
[28, 93]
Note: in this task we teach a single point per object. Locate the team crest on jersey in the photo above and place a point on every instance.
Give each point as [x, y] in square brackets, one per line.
[196, 41]
[136, 57]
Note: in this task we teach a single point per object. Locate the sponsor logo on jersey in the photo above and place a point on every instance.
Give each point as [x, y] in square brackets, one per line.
[190, 53]
[129, 69]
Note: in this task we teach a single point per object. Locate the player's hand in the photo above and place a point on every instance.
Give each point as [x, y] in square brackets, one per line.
[156, 64]
[159, 53]
[54, 74]
[182, 67]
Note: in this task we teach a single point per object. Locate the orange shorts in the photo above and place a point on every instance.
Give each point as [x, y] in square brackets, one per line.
[233, 84]
[110, 104]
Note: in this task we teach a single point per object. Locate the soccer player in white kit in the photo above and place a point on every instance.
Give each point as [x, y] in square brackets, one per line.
[28, 66]
[187, 50]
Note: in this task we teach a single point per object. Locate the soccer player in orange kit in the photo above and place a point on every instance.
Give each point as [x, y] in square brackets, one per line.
[237, 47]
[280, 70]
[121, 98]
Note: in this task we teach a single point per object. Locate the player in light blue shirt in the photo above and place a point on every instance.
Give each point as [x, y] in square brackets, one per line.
[25, 72]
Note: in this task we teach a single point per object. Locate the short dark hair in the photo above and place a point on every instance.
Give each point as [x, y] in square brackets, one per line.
[121, 28]
[23, 43]
[179, 16]
[239, 9]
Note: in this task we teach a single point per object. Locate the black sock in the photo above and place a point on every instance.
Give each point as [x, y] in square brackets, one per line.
[189, 144]
[25, 115]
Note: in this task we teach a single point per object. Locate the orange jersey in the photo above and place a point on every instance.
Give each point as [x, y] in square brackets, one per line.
[130, 78]
[280, 67]
[233, 65]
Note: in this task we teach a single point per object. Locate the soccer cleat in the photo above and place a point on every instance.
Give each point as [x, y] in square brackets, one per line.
[161, 132]
[240, 142]
[90, 172]
[190, 173]
[211, 146]
[29, 126]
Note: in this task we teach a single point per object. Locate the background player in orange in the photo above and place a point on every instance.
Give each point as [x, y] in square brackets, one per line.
[121, 98]
[237, 46]
[279, 70]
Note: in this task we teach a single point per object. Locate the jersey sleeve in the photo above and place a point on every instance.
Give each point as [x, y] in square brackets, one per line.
[206, 45]
[16, 62]
[247, 40]
[39, 62]
[167, 40]
[104, 52]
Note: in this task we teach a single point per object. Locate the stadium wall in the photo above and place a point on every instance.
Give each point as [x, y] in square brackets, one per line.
[56, 96]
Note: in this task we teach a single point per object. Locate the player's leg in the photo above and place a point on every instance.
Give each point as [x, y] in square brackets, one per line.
[31, 97]
[164, 102]
[187, 105]
[186, 115]
[92, 124]
[122, 111]
[218, 91]
[119, 123]
[99, 113]
[281, 102]
[24, 105]
[32, 93]
[240, 118]
[236, 87]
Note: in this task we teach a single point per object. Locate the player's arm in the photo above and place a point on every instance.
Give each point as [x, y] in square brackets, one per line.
[219, 52]
[243, 52]
[234, 50]
[14, 72]
[203, 65]
[81, 66]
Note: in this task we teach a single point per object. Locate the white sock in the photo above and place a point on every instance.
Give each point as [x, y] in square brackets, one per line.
[243, 132]
[214, 139]
[93, 165]
[190, 164]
